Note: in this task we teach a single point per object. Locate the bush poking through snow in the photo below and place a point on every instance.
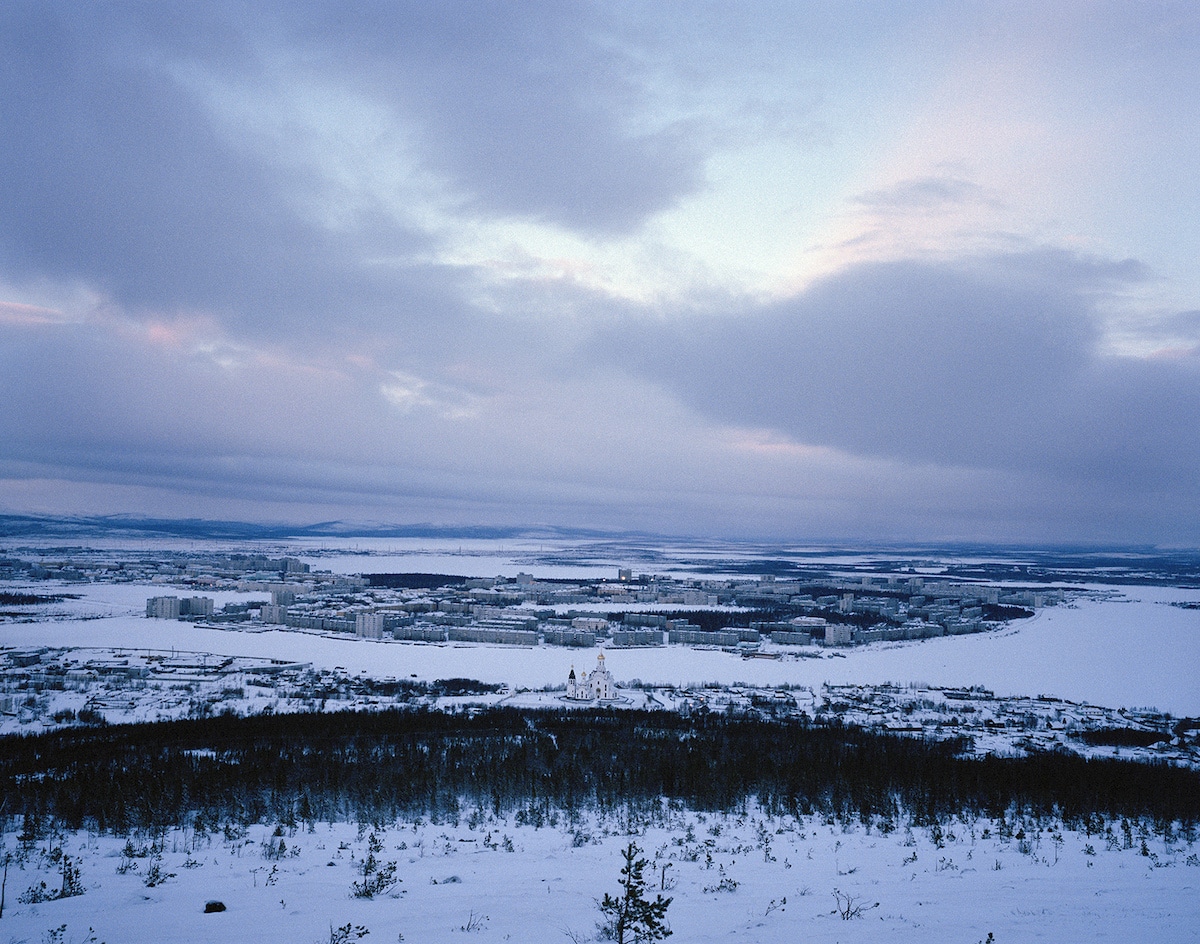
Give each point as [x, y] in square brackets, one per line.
[36, 894]
[850, 906]
[59, 936]
[475, 922]
[377, 878]
[378, 881]
[71, 886]
[156, 874]
[726, 884]
[346, 933]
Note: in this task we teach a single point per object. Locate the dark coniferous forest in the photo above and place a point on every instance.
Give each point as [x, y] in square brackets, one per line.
[383, 766]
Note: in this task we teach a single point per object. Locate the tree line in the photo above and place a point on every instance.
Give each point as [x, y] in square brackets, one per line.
[397, 764]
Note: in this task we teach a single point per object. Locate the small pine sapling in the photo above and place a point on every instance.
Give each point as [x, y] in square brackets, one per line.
[629, 917]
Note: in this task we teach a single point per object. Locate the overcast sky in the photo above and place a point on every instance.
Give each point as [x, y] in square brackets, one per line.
[782, 270]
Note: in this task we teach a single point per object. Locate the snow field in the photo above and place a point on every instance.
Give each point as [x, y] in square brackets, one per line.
[484, 879]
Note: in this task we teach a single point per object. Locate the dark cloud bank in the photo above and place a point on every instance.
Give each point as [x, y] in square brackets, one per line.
[115, 173]
[990, 364]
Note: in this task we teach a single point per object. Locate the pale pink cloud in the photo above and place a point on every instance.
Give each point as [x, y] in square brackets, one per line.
[20, 314]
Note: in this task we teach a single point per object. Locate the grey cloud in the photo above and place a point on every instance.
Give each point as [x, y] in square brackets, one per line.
[113, 173]
[522, 106]
[132, 414]
[1185, 321]
[1064, 272]
[939, 366]
[1175, 328]
[922, 193]
[110, 173]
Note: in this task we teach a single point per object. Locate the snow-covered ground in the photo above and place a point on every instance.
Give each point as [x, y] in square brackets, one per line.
[731, 878]
[1127, 649]
[490, 880]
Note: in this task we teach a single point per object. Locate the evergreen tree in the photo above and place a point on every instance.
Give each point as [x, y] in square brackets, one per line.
[629, 918]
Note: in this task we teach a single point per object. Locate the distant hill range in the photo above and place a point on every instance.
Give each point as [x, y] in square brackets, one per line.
[1025, 565]
[68, 525]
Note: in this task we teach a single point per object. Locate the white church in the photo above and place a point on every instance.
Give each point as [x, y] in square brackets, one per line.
[597, 685]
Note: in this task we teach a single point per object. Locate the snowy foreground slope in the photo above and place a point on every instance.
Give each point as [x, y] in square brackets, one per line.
[732, 877]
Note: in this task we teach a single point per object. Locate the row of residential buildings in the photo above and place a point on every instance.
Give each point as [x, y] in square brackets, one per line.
[629, 611]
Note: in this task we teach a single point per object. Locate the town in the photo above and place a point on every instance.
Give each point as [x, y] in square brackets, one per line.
[760, 617]
[754, 616]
